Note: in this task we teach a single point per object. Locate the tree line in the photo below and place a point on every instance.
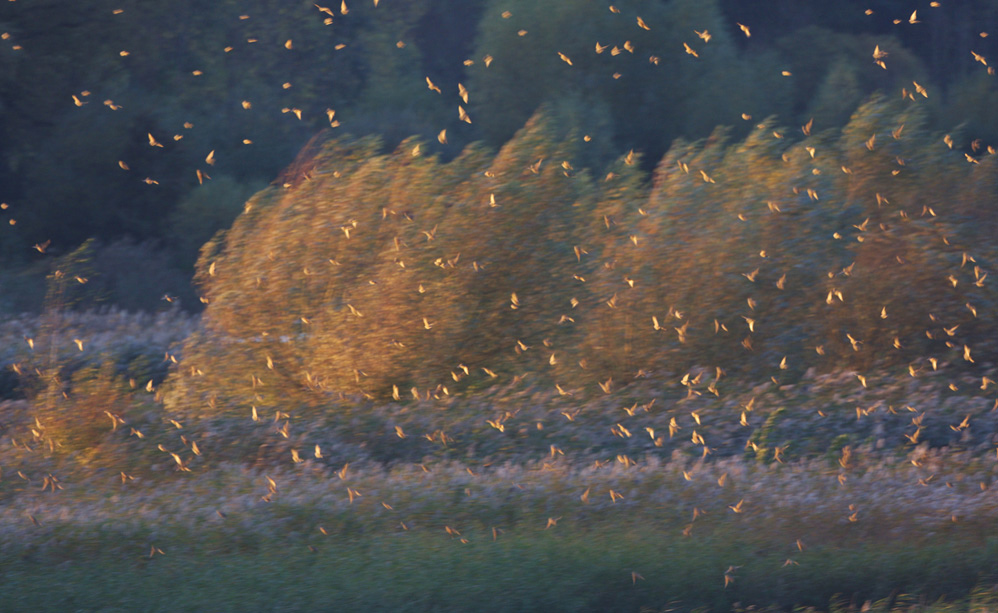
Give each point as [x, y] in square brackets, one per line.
[85, 87]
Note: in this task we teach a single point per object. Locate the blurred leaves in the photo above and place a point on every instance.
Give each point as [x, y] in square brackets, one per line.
[397, 274]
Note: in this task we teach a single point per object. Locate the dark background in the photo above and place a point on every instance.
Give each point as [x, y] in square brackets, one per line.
[64, 188]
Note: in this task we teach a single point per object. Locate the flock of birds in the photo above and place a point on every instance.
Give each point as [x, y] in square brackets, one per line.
[201, 174]
[83, 97]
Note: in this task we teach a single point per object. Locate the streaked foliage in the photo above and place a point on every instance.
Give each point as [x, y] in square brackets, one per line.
[379, 274]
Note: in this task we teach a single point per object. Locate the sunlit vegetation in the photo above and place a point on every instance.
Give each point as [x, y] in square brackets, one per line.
[561, 306]
[829, 252]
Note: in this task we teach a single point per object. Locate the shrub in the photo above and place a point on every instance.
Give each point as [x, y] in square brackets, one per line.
[396, 274]
[71, 414]
[374, 273]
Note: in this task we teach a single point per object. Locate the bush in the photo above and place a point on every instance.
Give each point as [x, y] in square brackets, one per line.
[395, 274]
[375, 273]
[71, 414]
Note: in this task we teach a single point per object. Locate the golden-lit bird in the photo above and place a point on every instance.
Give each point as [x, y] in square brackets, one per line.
[115, 420]
[745, 29]
[729, 576]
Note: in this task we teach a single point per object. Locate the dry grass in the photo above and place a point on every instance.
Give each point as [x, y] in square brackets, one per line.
[836, 502]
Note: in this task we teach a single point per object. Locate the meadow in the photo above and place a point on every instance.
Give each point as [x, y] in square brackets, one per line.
[557, 509]
[665, 305]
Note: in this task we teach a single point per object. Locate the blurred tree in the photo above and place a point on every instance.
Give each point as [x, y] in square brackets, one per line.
[969, 109]
[837, 97]
[207, 209]
[652, 90]
[819, 58]
[384, 270]
[382, 274]
[89, 86]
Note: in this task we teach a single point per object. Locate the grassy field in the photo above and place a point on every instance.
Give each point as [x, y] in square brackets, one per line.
[819, 493]
[547, 536]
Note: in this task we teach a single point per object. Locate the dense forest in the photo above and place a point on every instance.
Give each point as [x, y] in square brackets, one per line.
[136, 129]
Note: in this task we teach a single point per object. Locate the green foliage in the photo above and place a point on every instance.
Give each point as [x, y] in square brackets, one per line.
[64, 157]
[837, 97]
[969, 101]
[206, 209]
[130, 276]
[653, 93]
[820, 59]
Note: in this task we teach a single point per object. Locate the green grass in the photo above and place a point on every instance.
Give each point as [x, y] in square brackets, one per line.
[899, 526]
[311, 548]
[561, 569]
